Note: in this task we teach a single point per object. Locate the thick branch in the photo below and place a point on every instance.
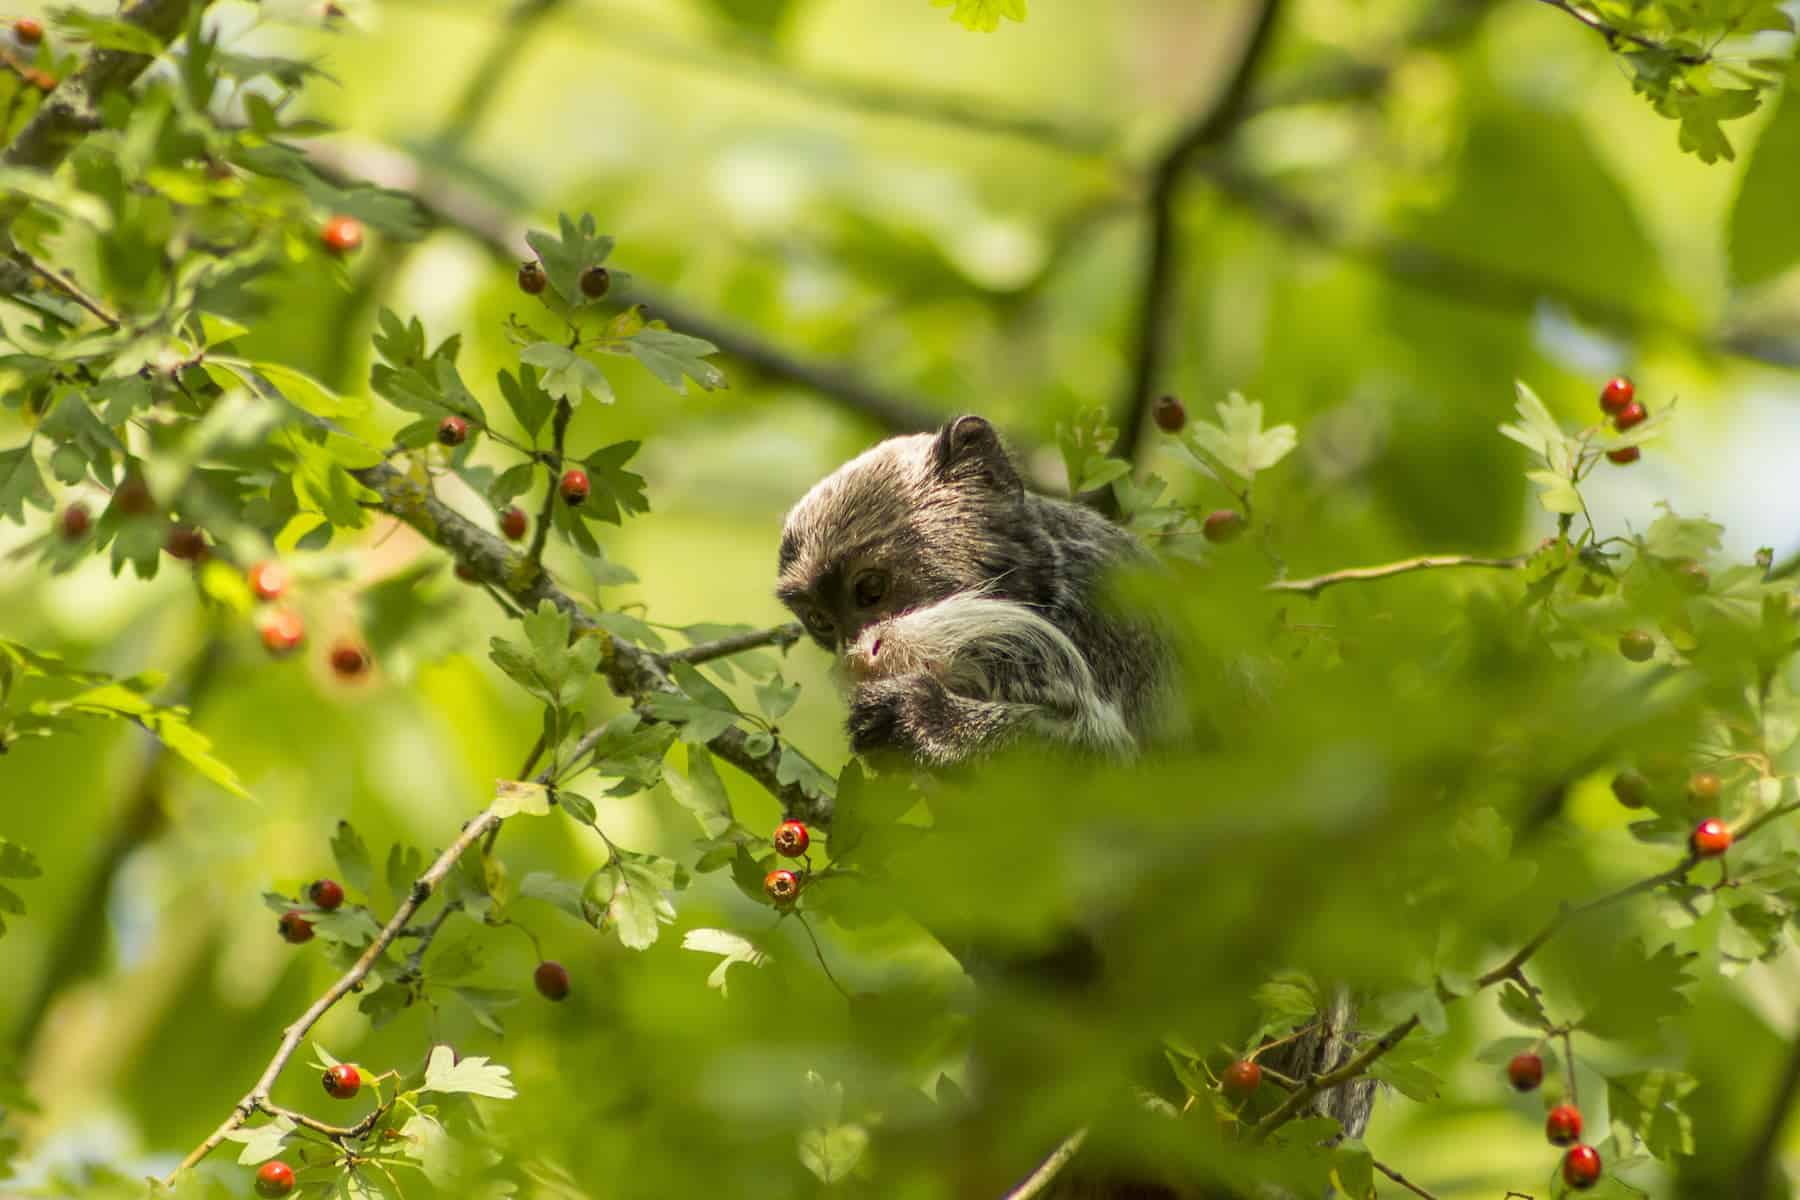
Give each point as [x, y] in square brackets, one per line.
[450, 203]
[1353, 1067]
[630, 670]
[1156, 301]
[72, 111]
[1427, 562]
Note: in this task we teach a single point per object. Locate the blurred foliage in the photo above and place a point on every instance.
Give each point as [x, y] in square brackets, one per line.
[1391, 784]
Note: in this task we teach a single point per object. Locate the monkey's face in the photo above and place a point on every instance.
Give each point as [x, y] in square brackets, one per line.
[912, 521]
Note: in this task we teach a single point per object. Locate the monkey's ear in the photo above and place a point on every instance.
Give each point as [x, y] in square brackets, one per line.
[969, 449]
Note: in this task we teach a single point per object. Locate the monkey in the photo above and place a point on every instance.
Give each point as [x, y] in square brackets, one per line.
[998, 591]
[968, 613]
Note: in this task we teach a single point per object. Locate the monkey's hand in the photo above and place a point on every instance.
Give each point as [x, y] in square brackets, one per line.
[916, 716]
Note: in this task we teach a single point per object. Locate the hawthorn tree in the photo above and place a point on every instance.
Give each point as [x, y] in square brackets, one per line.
[312, 597]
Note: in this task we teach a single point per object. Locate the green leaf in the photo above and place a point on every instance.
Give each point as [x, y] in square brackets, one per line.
[1353, 1169]
[1523, 1007]
[404, 865]
[983, 16]
[670, 356]
[1650, 1105]
[263, 1142]
[702, 792]
[484, 1003]
[832, 1152]
[1670, 536]
[1238, 442]
[21, 484]
[794, 767]
[631, 891]
[1291, 994]
[124, 699]
[16, 862]
[473, 1076]
[296, 387]
[352, 857]
[531, 405]
[732, 949]
[615, 490]
[775, 697]
[566, 256]
[567, 375]
[560, 893]
[1764, 237]
[513, 798]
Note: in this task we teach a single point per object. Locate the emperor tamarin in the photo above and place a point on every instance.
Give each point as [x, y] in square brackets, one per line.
[966, 609]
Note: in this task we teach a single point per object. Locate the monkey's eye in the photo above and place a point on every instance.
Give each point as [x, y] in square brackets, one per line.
[869, 588]
[818, 623]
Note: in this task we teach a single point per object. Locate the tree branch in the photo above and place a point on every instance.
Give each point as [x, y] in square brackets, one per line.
[1050, 1168]
[450, 203]
[1402, 1180]
[781, 636]
[631, 671]
[1426, 562]
[1156, 300]
[66, 286]
[1354, 1066]
[1613, 35]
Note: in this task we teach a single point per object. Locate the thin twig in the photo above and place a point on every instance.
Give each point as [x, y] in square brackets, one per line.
[1510, 968]
[559, 429]
[1155, 317]
[1613, 35]
[66, 286]
[1050, 1168]
[1425, 562]
[1353, 1067]
[257, 1098]
[1568, 1041]
[1402, 1180]
[1753, 1177]
[781, 636]
[428, 935]
[819, 953]
[336, 1132]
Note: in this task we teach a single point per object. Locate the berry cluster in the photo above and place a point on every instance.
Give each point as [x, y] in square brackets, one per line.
[1618, 400]
[791, 840]
[1712, 837]
[1581, 1166]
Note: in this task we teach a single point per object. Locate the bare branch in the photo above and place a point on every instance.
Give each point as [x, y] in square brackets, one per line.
[449, 202]
[66, 286]
[781, 636]
[1353, 1067]
[1402, 1180]
[1156, 300]
[1050, 1168]
[1425, 562]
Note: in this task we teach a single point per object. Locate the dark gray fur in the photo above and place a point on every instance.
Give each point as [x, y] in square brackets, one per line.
[943, 514]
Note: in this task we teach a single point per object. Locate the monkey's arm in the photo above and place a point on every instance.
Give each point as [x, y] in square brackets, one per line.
[916, 715]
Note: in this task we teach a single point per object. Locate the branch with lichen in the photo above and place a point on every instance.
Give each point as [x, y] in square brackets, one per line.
[1406, 566]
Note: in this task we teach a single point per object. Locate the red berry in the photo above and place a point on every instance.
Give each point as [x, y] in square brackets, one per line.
[28, 31]
[1632, 414]
[514, 523]
[1525, 1071]
[453, 431]
[326, 893]
[274, 1178]
[552, 980]
[1704, 787]
[294, 927]
[783, 886]
[574, 486]
[595, 282]
[791, 839]
[282, 631]
[1222, 526]
[43, 81]
[342, 1081]
[267, 579]
[532, 279]
[1581, 1167]
[1170, 414]
[1625, 455]
[1242, 1078]
[466, 573]
[74, 522]
[1563, 1125]
[1637, 645]
[133, 497]
[1711, 838]
[342, 235]
[185, 542]
[1617, 393]
[348, 659]
[1631, 789]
